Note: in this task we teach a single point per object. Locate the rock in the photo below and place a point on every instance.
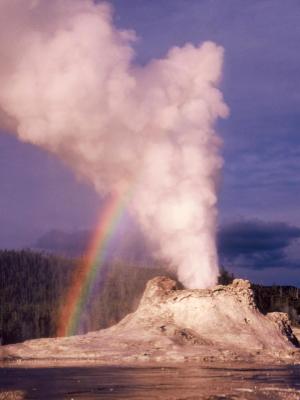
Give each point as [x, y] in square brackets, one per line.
[175, 324]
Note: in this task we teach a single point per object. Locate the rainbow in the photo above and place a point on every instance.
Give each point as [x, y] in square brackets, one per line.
[88, 270]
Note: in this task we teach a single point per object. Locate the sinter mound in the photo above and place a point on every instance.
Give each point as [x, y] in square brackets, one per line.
[171, 324]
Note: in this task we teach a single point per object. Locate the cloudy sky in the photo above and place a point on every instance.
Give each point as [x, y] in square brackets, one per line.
[259, 196]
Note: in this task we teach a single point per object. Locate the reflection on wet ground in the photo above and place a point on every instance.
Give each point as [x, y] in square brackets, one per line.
[174, 383]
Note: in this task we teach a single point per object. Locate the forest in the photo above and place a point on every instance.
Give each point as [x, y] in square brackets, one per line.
[33, 286]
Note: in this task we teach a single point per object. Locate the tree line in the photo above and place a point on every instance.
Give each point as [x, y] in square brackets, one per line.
[33, 285]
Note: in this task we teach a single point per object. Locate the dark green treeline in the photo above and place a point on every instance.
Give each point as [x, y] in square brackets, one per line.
[33, 286]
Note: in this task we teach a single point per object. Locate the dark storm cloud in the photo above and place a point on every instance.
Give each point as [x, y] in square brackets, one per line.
[68, 243]
[128, 245]
[258, 245]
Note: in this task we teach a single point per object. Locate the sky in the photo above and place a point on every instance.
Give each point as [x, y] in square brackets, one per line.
[259, 220]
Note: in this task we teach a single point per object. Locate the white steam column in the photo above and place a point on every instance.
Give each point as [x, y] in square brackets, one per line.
[69, 84]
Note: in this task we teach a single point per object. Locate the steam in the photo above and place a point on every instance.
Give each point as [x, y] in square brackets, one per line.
[70, 85]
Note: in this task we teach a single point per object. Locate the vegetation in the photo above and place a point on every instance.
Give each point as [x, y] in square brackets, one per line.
[33, 286]
[225, 277]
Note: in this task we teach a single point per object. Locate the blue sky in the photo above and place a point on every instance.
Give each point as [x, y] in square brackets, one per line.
[261, 85]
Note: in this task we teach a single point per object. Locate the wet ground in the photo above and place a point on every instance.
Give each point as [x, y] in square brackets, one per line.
[173, 383]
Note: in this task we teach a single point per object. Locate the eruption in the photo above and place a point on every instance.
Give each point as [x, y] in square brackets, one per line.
[69, 84]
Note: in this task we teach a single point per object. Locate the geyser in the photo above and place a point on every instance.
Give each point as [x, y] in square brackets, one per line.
[174, 325]
[70, 85]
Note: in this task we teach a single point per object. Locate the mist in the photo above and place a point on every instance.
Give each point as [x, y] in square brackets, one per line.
[70, 84]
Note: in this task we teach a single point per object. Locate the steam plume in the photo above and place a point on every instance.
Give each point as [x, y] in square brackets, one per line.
[70, 85]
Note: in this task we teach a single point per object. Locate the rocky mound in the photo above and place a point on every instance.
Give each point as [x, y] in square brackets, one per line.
[171, 324]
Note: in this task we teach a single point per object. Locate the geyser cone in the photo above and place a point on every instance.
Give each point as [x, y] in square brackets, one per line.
[170, 324]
